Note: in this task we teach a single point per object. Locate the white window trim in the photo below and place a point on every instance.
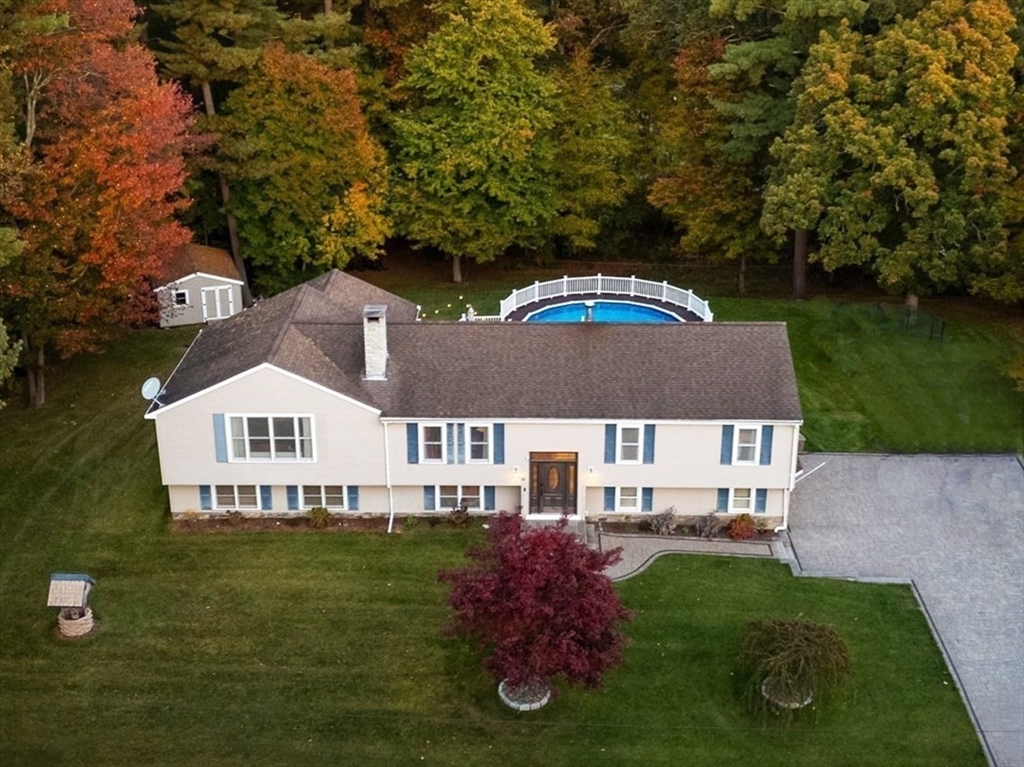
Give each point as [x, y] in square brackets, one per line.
[323, 497]
[442, 507]
[736, 445]
[628, 509]
[236, 505]
[620, 443]
[490, 443]
[732, 500]
[232, 458]
[423, 443]
[176, 293]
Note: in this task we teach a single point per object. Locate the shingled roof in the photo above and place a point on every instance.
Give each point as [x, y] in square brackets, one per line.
[672, 371]
[192, 257]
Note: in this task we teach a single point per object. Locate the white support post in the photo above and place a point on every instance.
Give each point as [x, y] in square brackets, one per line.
[565, 285]
[599, 283]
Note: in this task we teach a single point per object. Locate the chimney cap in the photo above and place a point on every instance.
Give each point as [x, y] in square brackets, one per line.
[374, 311]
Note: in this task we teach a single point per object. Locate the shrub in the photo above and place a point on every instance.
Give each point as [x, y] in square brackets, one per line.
[459, 515]
[708, 525]
[742, 528]
[665, 522]
[319, 517]
[789, 663]
[409, 523]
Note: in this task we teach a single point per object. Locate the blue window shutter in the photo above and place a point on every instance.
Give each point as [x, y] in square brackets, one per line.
[293, 497]
[609, 443]
[353, 497]
[766, 444]
[499, 442]
[450, 439]
[727, 444]
[489, 497]
[266, 498]
[428, 498]
[649, 443]
[723, 499]
[220, 439]
[460, 438]
[609, 499]
[205, 498]
[761, 500]
[412, 442]
[647, 499]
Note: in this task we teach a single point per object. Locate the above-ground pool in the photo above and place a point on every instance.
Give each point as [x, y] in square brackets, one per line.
[604, 311]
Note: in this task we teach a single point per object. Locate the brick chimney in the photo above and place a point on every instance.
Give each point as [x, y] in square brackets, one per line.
[375, 342]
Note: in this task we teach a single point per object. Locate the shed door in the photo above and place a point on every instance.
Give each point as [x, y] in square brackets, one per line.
[218, 303]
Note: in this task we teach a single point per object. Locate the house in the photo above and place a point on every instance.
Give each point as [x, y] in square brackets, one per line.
[200, 284]
[335, 394]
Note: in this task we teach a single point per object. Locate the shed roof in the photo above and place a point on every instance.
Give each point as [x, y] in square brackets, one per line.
[192, 257]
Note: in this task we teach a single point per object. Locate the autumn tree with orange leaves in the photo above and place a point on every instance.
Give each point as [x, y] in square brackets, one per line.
[97, 151]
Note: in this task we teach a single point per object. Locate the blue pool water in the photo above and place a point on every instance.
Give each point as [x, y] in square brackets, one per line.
[604, 311]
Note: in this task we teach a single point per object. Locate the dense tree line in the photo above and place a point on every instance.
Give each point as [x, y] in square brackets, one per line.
[881, 134]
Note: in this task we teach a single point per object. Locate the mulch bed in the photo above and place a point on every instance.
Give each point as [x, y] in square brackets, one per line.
[288, 525]
[681, 531]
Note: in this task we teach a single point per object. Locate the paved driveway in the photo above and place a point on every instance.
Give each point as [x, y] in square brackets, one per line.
[955, 525]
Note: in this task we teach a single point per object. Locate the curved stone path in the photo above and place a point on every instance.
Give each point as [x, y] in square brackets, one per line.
[638, 551]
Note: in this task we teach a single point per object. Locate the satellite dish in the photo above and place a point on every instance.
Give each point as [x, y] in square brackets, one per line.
[151, 388]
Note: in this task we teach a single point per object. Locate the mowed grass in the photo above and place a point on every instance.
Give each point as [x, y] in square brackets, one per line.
[317, 648]
[866, 383]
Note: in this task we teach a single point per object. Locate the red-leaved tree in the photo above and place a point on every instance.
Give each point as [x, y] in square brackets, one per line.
[538, 601]
[102, 141]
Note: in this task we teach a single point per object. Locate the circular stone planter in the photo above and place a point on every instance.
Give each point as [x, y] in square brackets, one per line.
[75, 621]
[783, 701]
[527, 697]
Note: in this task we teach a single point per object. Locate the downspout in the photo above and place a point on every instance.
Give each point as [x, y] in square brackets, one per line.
[387, 481]
[792, 481]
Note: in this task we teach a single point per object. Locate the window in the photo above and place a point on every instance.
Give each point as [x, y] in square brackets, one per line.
[479, 443]
[327, 496]
[432, 439]
[741, 500]
[746, 445]
[271, 438]
[181, 298]
[629, 444]
[629, 499]
[449, 496]
[236, 497]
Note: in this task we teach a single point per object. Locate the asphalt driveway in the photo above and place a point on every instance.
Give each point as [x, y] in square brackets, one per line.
[954, 524]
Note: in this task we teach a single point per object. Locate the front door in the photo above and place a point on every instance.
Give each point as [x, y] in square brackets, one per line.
[553, 483]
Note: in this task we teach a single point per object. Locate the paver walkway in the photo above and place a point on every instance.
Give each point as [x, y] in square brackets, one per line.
[954, 525]
[638, 551]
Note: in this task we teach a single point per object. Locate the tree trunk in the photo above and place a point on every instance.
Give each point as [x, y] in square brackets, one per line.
[328, 6]
[911, 309]
[37, 381]
[457, 269]
[800, 264]
[741, 282]
[232, 222]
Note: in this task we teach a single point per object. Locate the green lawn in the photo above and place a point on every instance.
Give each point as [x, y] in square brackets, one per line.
[865, 383]
[281, 649]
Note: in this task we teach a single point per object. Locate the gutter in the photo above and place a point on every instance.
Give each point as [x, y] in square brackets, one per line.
[387, 482]
[792, 482]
